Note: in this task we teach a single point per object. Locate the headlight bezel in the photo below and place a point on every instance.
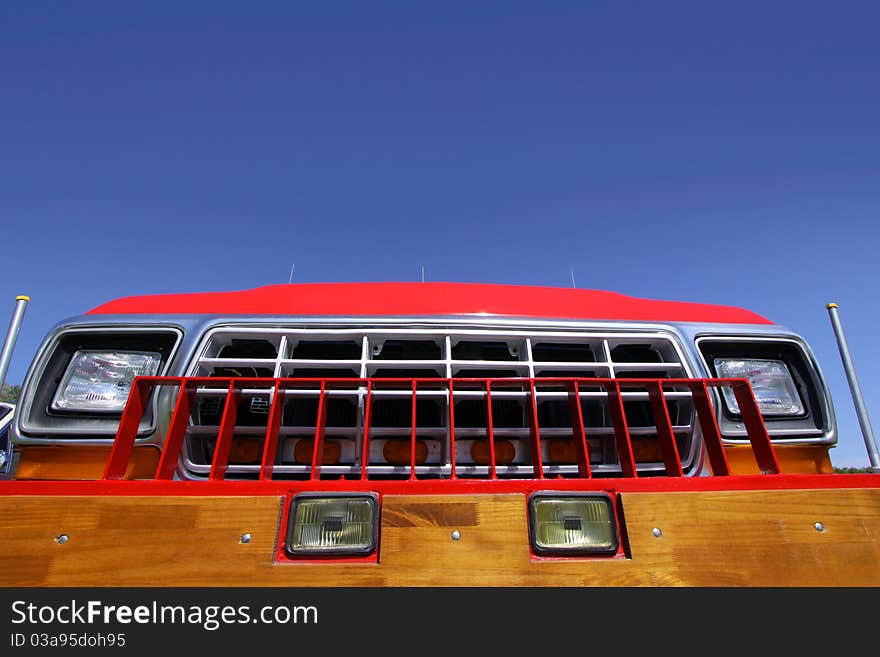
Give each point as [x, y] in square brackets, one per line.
[37, 423]
[816, 426]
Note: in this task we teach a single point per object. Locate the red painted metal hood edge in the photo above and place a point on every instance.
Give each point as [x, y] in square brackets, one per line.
[429, 299]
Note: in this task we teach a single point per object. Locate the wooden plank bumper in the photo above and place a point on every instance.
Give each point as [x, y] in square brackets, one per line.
[706, 538]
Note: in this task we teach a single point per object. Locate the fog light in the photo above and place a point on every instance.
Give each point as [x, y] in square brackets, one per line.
[327, 524]
[569, 524]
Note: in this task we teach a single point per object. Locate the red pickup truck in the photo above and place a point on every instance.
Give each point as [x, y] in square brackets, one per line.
[410, 434]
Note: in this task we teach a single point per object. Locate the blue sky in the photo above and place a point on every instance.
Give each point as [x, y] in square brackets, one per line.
[713, 152]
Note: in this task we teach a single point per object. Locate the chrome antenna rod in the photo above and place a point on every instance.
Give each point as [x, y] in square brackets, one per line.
[855, 389]
[12, 335]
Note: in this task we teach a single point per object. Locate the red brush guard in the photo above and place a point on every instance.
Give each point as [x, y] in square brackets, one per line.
[528, 388]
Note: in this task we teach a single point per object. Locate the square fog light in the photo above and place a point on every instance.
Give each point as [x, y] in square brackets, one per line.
[572, 524]
[333, 524]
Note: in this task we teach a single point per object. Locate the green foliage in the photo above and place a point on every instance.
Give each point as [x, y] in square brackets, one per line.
[853, 470]
[9, 394]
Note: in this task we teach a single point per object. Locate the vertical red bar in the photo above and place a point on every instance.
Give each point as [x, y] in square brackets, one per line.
[665, 433]
[176, 431]
[412, 442]
[320, 422]
[365, 451]
[227, 429]
[537, 463]
[709, 427]
[757, 431]
[577, 429]
[273, 427]
[490, 430]
[451, 429]
[621, 430]
[127, 432]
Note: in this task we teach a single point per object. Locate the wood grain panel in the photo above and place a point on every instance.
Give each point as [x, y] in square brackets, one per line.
[120, 541]
[443, 513]
[491, 551]
[757, 538]
[708, 539]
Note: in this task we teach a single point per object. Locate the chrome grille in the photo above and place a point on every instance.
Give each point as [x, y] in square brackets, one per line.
[426, 354]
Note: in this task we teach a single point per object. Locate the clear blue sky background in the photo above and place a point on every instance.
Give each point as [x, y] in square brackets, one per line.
[712, 152]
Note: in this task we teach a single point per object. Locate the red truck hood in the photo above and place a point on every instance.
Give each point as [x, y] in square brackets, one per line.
[429, 299]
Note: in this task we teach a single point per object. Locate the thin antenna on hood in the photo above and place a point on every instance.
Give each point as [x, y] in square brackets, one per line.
[290, 278]
[571, 271]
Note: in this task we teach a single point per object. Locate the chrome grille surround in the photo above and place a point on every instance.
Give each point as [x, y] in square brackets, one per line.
[444, 351]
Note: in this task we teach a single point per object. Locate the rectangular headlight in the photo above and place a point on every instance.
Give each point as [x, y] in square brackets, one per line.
[771, 381]
[328, 524]
[572, 523]
[101, 380]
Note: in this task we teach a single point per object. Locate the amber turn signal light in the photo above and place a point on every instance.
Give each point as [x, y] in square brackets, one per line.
[562, 451]
[399, 452]
[505, 452]
[245, 452]
[305, 449]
